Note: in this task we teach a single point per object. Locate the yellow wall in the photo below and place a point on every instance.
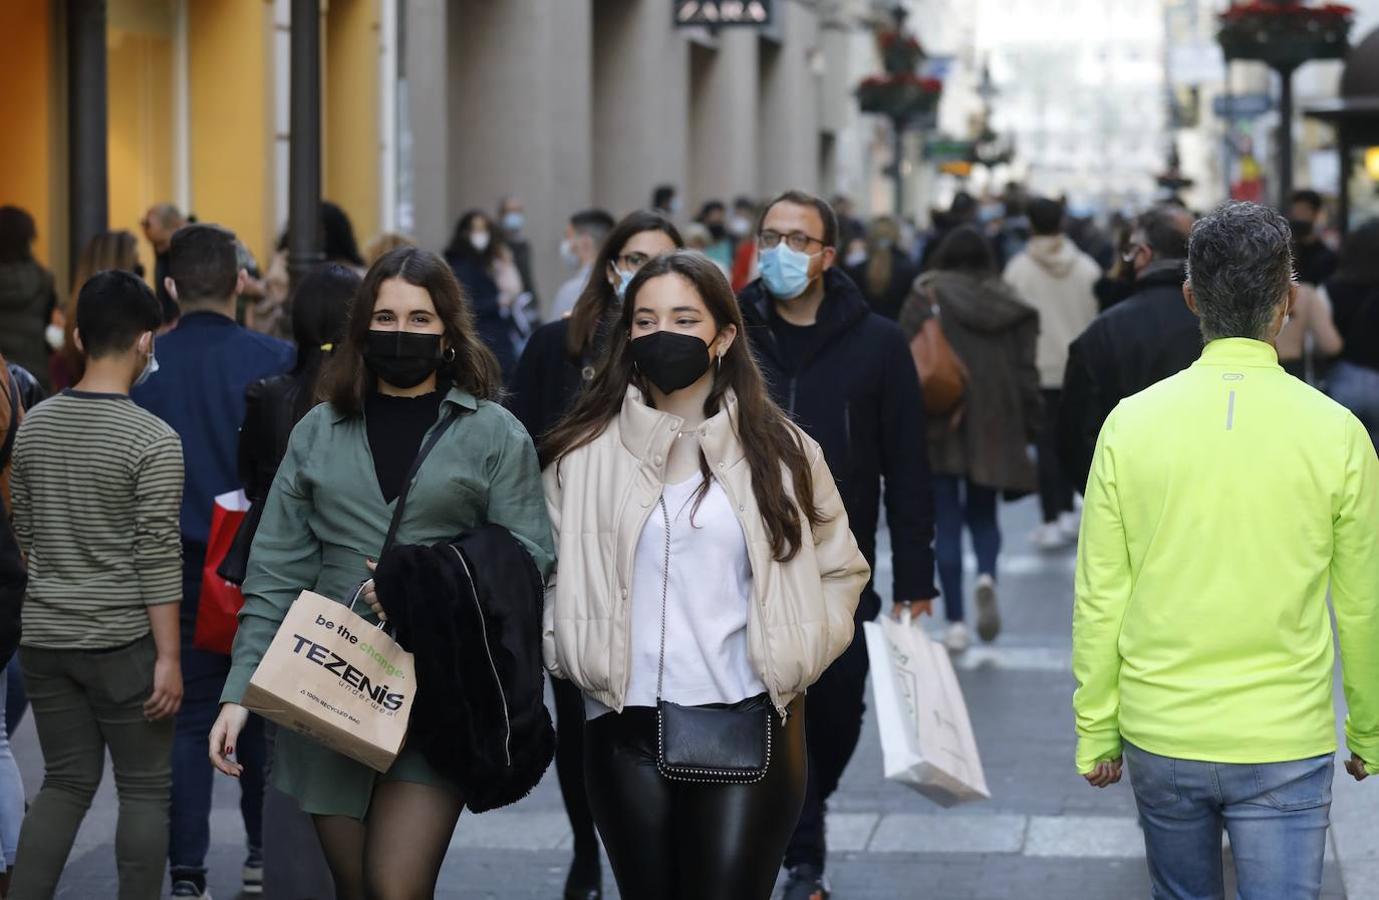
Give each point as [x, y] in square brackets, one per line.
[26, 97]
[140, 109]
[229, 55]
[350, 98]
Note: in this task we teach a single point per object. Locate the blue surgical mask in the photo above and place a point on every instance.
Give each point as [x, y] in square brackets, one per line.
[784, 271]
[513, 222]
[150, 368]
[624, 279]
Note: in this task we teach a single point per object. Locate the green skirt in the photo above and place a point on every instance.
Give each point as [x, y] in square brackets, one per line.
[326, 783]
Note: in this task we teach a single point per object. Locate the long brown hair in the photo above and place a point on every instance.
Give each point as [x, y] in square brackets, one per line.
[345, 380]
[109, 250]
[768, 439]
[598, 296]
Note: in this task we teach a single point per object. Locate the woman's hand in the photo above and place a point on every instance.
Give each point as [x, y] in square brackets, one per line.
[370, 593]
[224, 736]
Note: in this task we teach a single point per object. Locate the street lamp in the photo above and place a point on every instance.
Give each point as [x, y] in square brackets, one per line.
[901, 93]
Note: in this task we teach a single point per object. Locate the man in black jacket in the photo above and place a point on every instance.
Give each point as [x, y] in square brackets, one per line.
[1141, 340]
[846, 376]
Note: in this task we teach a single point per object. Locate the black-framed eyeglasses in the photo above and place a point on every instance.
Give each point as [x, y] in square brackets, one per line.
[632, 262]
[795, 240]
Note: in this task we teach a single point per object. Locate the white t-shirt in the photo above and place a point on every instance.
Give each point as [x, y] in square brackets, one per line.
[708, 596]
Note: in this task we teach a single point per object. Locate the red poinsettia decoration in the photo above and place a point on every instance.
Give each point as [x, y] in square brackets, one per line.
[1285, 33]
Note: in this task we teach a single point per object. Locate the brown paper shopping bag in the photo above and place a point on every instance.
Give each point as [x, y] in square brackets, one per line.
[338, 679]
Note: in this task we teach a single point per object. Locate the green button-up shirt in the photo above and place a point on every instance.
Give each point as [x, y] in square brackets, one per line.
[325, 516]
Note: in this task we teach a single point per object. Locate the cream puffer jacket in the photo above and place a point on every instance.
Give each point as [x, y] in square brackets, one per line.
[600, 497]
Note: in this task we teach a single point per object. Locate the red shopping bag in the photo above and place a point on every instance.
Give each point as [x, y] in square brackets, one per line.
[218, 611]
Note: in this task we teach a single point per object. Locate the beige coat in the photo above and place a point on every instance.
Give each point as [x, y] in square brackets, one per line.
[600, 497]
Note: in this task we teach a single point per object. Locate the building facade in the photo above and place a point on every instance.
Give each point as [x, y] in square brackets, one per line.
[433, 107]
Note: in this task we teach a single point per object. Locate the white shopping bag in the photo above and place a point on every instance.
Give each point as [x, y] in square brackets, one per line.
[926, 737]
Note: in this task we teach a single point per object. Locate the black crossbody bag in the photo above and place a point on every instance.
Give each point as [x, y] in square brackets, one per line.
[728, 743]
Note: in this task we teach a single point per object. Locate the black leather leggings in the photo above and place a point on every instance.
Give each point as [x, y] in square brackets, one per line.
[671, 840]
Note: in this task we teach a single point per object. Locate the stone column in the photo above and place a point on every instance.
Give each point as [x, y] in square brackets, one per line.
[789, 144]
[520, 116]
[424, 64]
[723, 119]
[641, 104]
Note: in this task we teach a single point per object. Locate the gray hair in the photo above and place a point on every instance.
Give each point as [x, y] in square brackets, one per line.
[1240, 265]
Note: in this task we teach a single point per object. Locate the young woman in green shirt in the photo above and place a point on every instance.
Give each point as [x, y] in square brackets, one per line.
[410, 352]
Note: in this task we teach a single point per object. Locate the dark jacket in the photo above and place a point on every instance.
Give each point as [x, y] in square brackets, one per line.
[1135, 344]
[26, 301]
[859, 397]
[270, 413]
[206, 365]
[13, 580]
[889, 301]
[470, 613]
[994, 333]
[495, 328]
[1355, 308]
[547, 381]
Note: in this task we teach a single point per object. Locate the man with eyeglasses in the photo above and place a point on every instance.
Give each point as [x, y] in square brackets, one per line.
[846, 376]
[1136, 343]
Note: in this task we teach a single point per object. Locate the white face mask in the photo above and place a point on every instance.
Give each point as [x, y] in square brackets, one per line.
[480, 240]
[568, 254]
[855, 258]
[150, 367]
[739, 226]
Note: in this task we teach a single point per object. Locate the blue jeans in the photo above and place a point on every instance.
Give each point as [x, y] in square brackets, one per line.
[193, 779]
[11, 790]
[959, 502]
[1357, 389]
[1276, 814]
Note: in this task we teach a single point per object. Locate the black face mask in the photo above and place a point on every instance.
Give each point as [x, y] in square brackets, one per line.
[672, 361]
[1302, 229]
[718, 231]
[403, 359]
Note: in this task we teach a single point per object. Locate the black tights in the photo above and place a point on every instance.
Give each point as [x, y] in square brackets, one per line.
[670, 840]
[569, 766]
[397, 851]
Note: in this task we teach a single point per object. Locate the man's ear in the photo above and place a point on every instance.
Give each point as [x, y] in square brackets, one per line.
[170, 286]
[76, 340]
[830, 256]
[1191, 299]
[241, 282]
[1292, 303]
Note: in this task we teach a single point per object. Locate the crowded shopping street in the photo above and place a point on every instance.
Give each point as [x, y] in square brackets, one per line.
[1044, 833]
[689, 449]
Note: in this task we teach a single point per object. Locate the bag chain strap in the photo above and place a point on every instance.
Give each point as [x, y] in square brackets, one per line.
[665, 591]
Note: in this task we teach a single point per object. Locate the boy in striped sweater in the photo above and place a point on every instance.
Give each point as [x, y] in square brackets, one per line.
[97, 489]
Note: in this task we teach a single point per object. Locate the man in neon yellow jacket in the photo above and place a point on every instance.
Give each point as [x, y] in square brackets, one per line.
[1221, 504]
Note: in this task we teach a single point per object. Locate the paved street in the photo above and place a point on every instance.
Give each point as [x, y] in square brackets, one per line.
[1044, 834]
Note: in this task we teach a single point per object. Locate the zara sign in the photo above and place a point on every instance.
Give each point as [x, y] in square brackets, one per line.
[722, 12]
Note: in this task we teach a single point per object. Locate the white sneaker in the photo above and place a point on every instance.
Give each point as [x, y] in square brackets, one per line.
[956, 638]
[988, 616]
[1049, 537]
[1069, 523]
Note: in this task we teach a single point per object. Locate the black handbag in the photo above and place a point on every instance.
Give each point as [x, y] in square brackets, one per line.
[720, 743]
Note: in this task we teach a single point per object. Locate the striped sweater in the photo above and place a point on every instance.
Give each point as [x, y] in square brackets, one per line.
[97, 490]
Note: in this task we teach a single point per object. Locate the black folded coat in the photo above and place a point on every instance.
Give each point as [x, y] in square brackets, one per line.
[469, 611]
